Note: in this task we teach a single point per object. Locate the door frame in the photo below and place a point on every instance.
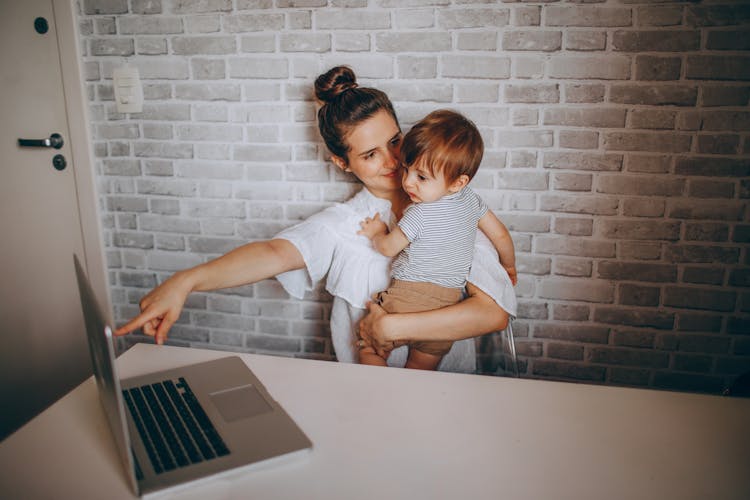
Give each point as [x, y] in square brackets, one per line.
[81, 150]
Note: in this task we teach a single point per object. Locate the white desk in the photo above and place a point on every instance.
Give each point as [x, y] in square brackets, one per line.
[389, 433]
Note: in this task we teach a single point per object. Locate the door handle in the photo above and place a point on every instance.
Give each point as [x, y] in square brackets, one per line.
[54, 141]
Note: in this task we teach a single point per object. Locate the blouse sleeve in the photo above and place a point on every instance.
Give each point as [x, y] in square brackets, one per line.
[489, 276]
[316, 242]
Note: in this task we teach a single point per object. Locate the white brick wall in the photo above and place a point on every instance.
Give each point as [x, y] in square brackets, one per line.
[618, 152]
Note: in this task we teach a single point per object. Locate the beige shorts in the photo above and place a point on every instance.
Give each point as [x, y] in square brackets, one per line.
[413, 296]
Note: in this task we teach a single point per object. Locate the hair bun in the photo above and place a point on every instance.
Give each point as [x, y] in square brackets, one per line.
[334, 82]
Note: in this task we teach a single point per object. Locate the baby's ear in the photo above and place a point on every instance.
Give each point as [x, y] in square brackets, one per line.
[459, 183]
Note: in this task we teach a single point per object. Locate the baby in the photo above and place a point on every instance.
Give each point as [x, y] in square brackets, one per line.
[434, 240]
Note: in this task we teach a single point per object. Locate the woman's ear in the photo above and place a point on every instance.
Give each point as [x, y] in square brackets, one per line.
[459, 183]
[340, 162]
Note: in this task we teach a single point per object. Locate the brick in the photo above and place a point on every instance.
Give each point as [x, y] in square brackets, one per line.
[640, 185]
[627, 271]
[258, 68]
[532, 93]
[472, 18]
[570, 312]
[741, 233]
[162, 150]
[721, 144]
[544, 41]
[654, 119]
[713, 167]
[572, 182]
[667, 142]
[657, 68]
[612, 67]
[654, 95]
[167, 224]
[580, 247]
[532, 264]
[708, 209]
[121, 166]
[706, 231]
[583, 117]
[477, 41]
[532, 310]
[587, 16]
[577, 333]
[637, 295]
[702, 253]
[475, 66]
[594, 205]
[526, 15]
[628, 357]
[417, 42]
[137, 279]
[641, 230]
[640, 250]
[334, 19]
[710, 67]
[584, 93]
[585, 40]
[703, 276]
[668, 15]
[643, 207]
[418, 91]
[576, 289]
[634, 338]
[725, 120]
[656, 41]
[143, 25]
[528, 67]
[577, 139]
[315, 42]
[688, 382]
[717, 15]
[740, 277]
[133, 240]
[522, 138]
[470, 93]
[524, 117]
[728, 40]
[582, 161]
[569, 352]
[205, 6]
[738, 325]
[574, 226]
[523, 180]
[575, 268]
[163, 68]
[723, 95]
[700, 298]
[105, 6]
[112, 47]
[639, 317]
[567, 370]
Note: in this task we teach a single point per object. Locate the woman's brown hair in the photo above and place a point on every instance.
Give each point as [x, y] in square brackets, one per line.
[345, 105]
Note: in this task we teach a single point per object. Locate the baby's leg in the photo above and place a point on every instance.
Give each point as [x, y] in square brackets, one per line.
[368, 356]
[419, 360]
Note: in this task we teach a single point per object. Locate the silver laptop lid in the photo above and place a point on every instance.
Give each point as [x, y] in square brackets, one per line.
[103, 359]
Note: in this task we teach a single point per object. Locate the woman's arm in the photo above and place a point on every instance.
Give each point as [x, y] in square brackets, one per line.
[476, 315]
[249, 263]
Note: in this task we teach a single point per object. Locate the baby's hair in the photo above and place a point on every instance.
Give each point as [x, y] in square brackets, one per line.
[345, 105]
[444, 142]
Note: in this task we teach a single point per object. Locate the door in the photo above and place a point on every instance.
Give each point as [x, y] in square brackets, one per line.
[43, 353]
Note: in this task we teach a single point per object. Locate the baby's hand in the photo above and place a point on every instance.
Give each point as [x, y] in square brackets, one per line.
[372, 226]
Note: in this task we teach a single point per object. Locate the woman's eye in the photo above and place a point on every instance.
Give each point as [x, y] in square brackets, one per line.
[396, 141]
[369, 155]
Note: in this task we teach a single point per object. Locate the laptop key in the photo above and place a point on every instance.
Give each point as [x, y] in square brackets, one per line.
[205, 423]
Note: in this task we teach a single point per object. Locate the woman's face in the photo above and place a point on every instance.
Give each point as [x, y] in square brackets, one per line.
[374, 147]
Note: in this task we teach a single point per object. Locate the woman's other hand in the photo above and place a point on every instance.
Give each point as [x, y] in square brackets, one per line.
[160, 308]
[373, 330]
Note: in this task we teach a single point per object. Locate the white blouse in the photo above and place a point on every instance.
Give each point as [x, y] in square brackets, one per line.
[329, 244]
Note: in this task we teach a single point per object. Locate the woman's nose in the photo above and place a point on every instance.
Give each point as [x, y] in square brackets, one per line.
[392, 158]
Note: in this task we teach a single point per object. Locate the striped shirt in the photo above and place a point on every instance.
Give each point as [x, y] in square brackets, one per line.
[441, 235]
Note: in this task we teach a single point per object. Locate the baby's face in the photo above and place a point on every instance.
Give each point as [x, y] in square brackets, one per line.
[422, 186]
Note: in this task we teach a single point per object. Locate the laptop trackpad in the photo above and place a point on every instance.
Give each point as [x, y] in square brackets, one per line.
[240, 402]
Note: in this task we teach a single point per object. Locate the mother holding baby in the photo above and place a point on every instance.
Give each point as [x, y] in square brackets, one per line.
[361, 131]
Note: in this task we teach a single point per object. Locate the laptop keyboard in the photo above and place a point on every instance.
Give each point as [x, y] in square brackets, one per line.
[173, 426]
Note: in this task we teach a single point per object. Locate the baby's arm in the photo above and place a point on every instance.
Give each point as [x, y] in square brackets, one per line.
[387, 243]
[501, 240]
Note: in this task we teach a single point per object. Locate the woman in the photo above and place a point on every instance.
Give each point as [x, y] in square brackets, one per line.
[360, 128]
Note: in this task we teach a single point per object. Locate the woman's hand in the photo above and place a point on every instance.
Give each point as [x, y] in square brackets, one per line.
[373, 330]
[160, 308]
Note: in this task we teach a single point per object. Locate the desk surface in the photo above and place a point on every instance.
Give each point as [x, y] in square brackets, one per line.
[390, 433]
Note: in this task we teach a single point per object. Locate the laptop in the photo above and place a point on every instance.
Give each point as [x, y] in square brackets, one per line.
[177, 426]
